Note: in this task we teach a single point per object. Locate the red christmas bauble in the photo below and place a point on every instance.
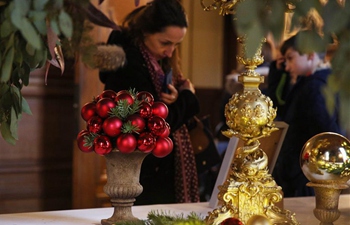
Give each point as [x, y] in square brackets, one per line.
[126, 143]
[231, 221]
[146, 142]
[102, 145]
[160, 109]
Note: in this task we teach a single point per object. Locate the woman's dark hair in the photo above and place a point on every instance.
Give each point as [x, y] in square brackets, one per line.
[153, 18]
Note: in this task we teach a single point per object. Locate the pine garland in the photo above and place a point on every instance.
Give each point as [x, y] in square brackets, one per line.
[167, 218]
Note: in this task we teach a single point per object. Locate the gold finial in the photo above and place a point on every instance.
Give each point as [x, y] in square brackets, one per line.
[249, 115]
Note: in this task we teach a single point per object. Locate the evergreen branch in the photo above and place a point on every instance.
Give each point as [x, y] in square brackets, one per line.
[129, 128]
[133, 92]
[135, 107]
[166, 218]
[121, 110]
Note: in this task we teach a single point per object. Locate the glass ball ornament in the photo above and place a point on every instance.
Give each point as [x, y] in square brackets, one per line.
[258, 220]
[325, 159]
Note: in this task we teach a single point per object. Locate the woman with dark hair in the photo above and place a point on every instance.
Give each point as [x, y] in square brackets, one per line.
[149, 38]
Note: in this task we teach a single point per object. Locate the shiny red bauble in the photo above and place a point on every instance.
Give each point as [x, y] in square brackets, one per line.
[145, 96]
[146, 142]
[156, 125]
[126, 143]
[88, 110]
[163, 147]
[94, 124]
[112, 126]
[102, 145]
[231, 221]
[137, 121]
[108, 94]
[145, 110]
[124, 96]
[166, 131]
[83, 145]
[160, 109]
[103, 107]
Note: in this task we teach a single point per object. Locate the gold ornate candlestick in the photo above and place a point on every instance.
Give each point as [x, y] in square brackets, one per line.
[250, 192]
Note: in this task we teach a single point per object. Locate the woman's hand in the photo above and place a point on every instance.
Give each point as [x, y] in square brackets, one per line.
[187, 85]
[171, 97]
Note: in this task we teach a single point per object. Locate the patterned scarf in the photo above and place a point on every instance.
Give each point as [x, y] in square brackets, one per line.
[186, 179]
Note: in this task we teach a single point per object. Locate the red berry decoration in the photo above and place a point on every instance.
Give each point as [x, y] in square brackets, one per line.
[160, 109]
[231, 221]
[156, 125]
[102, 145]
[145, 96]
[126, 143]
[94, 124]
[163, 148]
[88, 110]
[146, 142]
[112, 126]
[103, 107]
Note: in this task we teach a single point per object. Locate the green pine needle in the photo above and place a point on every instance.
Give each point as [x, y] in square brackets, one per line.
[121, 110]
[89, 139]
[135, 107]
[128, 128]
[133, 92]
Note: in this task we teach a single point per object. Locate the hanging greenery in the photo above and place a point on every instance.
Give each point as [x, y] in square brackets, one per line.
[32, 35]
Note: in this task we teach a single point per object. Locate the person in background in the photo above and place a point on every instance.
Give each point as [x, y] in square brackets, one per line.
[149, 37]
[279, 84]
[305, 113]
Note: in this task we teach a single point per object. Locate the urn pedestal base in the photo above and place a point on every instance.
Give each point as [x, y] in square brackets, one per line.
[327, 199]
[123, 174]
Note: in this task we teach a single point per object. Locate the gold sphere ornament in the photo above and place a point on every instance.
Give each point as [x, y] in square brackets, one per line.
[325, 159]
[249, 116]
[259, 220]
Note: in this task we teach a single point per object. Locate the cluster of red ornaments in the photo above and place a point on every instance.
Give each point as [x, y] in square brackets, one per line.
[127, 121]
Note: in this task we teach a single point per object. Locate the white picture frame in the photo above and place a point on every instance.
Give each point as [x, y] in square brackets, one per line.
[271, 146]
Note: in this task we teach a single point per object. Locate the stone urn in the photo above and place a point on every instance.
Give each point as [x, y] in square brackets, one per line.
[123, 174]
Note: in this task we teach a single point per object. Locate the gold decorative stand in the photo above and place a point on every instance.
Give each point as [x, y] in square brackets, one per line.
[325, 161]
[327, 199]
[250, 192]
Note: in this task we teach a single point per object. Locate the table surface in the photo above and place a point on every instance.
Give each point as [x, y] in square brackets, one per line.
[301, 206]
